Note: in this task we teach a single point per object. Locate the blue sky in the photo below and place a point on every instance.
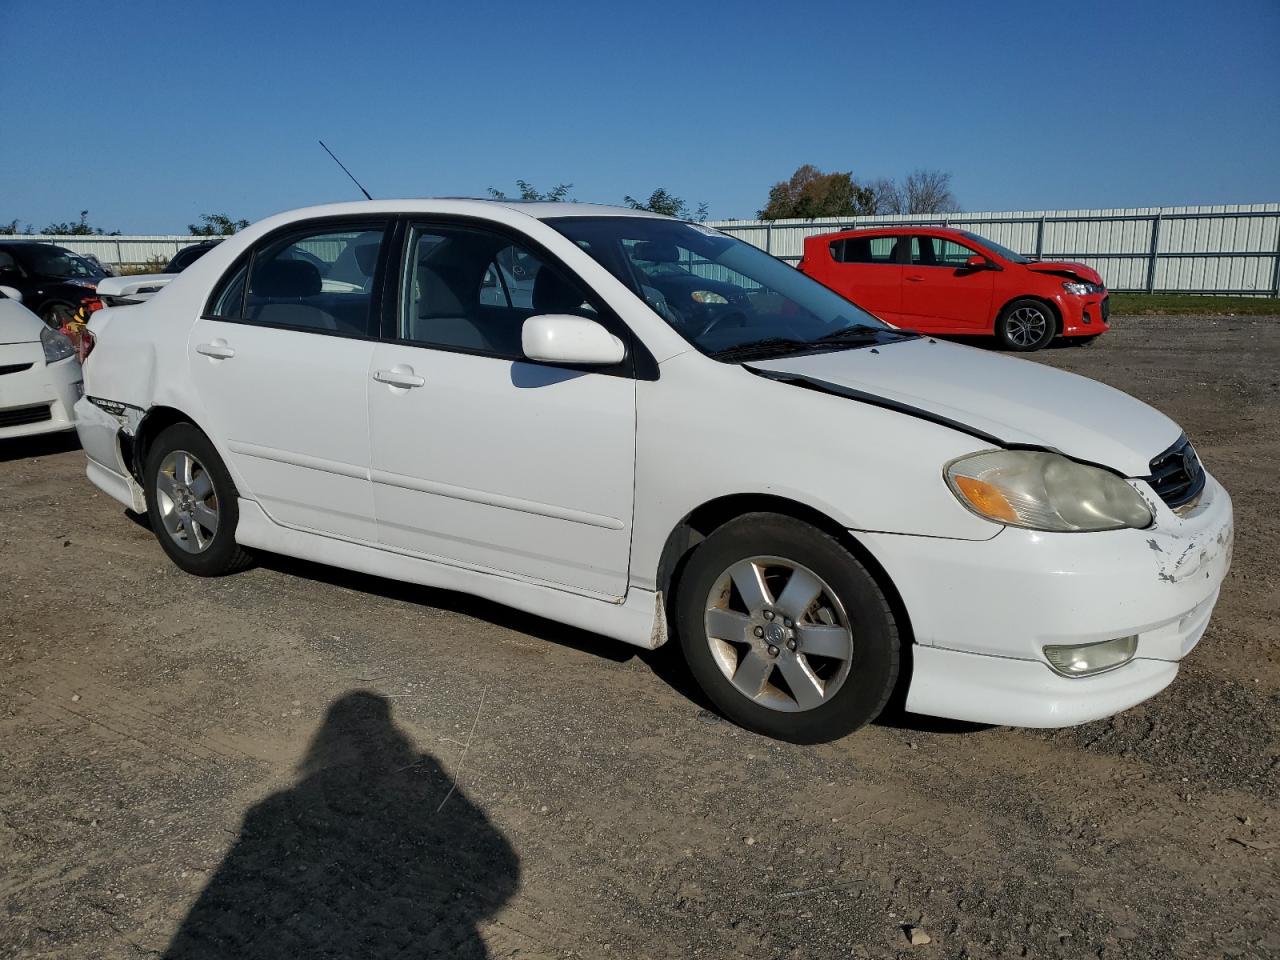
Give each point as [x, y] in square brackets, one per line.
[150, 114]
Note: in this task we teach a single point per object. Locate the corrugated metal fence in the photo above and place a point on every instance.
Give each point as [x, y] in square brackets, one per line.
[1222, 249]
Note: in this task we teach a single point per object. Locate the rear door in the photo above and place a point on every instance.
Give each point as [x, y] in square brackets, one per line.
[281, 362]
[481, 458]
[867, 271]
[939, 293]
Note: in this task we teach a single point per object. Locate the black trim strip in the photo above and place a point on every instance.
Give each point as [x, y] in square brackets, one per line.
[823, 386]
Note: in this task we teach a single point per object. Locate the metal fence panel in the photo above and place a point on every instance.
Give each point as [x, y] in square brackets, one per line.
[1232, 248]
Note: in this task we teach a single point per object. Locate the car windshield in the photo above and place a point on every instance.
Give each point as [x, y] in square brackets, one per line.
[57, 262]
[998, 248]
[726, 297]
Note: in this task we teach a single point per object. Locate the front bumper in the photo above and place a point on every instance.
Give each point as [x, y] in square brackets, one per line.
[1084, 316]
[983, 611]
[41, 398]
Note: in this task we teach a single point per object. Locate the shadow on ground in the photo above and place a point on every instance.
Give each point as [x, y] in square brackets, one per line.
[40, 445]
[371, 854]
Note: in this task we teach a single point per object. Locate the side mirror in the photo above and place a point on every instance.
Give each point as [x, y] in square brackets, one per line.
[12, 293]
[977, 262]
[560, 338]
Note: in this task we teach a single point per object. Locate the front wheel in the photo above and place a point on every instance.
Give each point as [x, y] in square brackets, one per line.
[1026, 325]
[786, 631]
[192, 503]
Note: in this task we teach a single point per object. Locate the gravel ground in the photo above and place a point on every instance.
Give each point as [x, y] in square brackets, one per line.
[297, 761]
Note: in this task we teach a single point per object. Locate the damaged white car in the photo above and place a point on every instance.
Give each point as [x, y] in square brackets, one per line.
[648, 429]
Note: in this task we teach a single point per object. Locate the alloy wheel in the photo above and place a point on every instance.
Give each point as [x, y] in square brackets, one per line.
[1026, 326]
[187, 501]
[779, 633]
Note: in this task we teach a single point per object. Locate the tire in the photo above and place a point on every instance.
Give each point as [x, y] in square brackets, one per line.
[56, 314]
[803, 696]
[1026, 325]
[192, 504]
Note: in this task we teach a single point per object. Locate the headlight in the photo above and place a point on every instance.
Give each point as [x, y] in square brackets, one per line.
[1079, 289]
[707, 296]
[56, 345]
[87, 284]
[1085, 659]
[1045, 491]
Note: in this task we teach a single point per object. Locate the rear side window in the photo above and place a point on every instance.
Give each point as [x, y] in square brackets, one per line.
[323, 281]
[865, 250]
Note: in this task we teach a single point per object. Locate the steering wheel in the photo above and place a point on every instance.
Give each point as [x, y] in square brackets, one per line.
[721, 319]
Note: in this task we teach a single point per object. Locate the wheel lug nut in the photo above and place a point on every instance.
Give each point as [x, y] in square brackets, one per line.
[759, 631]
[768, 614]
[773, 651]
[787, 624]
[791, 645]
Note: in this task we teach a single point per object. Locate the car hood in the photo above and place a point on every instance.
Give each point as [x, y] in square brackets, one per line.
[1065, 268]
[18, 324]
[1017, 402]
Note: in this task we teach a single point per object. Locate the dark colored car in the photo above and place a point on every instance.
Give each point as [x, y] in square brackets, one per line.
[189, 255]
[53, 281]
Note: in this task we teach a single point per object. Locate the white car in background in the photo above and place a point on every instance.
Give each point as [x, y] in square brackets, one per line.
[653, 429]
[39, 374]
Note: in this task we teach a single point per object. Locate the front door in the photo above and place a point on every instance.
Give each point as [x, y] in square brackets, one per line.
[479, 457]
[940, 294]
[281, 363]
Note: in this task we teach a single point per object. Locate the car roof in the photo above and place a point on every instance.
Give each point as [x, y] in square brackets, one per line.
[539, 209]
[932, 229]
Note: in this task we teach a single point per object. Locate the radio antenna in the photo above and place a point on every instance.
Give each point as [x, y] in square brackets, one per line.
[345, 170]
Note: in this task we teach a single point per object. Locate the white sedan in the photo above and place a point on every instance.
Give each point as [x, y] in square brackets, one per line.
[668, 434]
[39, 374]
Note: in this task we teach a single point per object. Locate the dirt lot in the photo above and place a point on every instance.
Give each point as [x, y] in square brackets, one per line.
[260, 766]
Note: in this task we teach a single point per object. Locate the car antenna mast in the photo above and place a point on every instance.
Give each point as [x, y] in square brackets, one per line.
[345, 170]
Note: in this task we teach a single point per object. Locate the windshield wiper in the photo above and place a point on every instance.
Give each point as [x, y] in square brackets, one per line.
[866, 333]
[761, 349]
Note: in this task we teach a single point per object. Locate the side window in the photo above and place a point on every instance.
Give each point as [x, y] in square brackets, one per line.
[866, 250]
[322, 281]
[228, 302]
[939, 252]
[471, 290]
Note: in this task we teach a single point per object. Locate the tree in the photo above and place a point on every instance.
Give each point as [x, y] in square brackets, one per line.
[921, 191]
[529, 192]
[216, 225]
[811, 193]
[78, 228]
[665, 203]
[13, 227]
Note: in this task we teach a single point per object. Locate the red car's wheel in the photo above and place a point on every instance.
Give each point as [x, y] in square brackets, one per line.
[1026, 325]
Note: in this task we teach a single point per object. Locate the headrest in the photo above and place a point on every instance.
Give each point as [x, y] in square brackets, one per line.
[553, 294]
[656, 251]
[367, 258]
[286, 278]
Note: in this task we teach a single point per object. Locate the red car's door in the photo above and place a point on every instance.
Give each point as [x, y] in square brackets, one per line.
[940, 294]
[866, 270]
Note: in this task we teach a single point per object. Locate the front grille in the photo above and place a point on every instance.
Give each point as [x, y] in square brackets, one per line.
[1106, 308]
[1176, 475]
[18, 416]
[14, 368]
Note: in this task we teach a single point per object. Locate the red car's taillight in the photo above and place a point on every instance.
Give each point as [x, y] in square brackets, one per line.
[85, 344]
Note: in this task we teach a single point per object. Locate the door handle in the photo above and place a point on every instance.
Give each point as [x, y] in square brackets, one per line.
[218, 350]
[915, 279]
[399, 376]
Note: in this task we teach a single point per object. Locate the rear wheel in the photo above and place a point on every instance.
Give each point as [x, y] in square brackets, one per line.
[192, 503]
[1026, 325]
[786, 631]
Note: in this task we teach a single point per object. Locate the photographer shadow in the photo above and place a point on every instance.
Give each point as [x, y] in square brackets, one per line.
[369, 855]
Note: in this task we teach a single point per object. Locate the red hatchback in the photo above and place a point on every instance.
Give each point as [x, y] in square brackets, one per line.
[939, 280]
